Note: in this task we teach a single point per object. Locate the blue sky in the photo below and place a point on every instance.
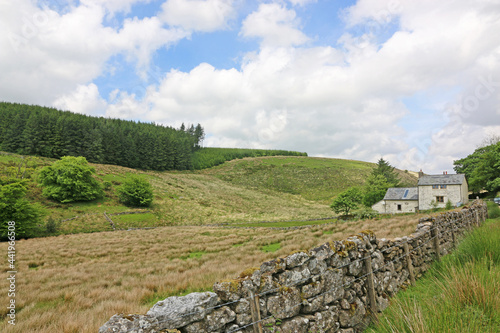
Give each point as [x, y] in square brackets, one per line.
[417, 83]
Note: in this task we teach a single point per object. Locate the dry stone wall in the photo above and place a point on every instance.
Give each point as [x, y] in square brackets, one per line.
[332, 288]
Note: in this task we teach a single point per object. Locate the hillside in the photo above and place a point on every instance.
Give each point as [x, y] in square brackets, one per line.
[244, 190]
[312, 178]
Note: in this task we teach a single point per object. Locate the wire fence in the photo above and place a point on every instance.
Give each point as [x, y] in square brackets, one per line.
[399, 246]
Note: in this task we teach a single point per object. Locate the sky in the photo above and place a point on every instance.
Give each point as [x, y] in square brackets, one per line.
[414, 82]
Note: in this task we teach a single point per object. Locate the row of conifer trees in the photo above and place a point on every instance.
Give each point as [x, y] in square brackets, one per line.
[36, 130]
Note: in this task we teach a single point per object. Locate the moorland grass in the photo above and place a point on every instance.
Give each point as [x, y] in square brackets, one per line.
[75, 283]
[461, 293]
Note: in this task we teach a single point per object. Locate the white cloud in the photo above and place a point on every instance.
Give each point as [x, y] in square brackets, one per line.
[46, 54]
[350, 100]
[85, 99]
[275, 25]
[114, 6]
[198, 15]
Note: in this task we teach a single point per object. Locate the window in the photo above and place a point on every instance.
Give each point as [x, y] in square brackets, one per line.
[435, 186]
[443, 186]
[399, 207]
[439, 199]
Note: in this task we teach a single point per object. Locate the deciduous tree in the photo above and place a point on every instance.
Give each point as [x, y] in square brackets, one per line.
[70, 179]
[347, 201]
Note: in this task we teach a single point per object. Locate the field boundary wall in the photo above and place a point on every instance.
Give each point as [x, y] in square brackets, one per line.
[336, 287]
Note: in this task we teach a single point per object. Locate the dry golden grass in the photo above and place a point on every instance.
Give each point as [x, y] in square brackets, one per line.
[75, 283]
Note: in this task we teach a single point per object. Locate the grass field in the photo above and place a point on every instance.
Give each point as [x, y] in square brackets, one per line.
[241, 191]
[75, 283]
[459, 294]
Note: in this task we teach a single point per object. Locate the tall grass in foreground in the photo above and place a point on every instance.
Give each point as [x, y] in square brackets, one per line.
[75, 283]
[459, 294]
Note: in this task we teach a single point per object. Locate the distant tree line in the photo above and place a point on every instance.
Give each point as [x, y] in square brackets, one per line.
[42, 131]
[210, 157]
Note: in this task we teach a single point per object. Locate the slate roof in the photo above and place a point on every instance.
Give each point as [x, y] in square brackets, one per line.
[398, 193]
[457, 179]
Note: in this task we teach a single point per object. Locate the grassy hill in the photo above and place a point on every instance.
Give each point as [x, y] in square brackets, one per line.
[239, 191]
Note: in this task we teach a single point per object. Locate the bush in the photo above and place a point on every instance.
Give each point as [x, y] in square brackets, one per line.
[14, 207]
[449, 205]
[365, 213]
[136, 192]
[70, 179]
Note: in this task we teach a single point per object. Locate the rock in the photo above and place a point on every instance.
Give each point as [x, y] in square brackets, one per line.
[353, 316]
[229, 290]
[296, 259]
[322, 252]
[325, 321]
[344, 304]
[292, 278]
[175, 311]
[296, 325]
[313, 305]
[285, 305]
[219, 318]
[317, 267]
[273, 266]
[311, 289]
[131, 324]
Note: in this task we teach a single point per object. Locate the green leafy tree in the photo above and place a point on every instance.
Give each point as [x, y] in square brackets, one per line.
[70, 179]
[482, 168]
[375, 189]
[15, 207]
[347, 201]
[136, 192]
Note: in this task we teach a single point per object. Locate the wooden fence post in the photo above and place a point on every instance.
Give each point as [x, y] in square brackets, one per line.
[255, 310]
[435, 235]
[409, 263]
[371, 285]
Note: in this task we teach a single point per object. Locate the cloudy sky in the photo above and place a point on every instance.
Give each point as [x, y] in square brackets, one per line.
[414, 82]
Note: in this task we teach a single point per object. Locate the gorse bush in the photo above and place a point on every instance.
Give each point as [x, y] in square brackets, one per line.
[136, 192]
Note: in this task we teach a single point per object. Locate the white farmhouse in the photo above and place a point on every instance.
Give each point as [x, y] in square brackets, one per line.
[440, 189]
[430, 189]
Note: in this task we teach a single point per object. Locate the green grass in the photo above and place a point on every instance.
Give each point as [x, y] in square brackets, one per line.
[143, 220]
[249, 190]
[461, 293]
[192, 255]
[315, 179]
[273, 247]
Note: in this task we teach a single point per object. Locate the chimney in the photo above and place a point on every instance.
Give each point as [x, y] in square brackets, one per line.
[420, 174]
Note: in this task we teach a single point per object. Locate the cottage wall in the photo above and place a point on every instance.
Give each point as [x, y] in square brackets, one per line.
[454, 193]
[407, 206]
[326, 289]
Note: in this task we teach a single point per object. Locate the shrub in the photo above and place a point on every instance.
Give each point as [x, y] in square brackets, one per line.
[449, 205]
[136, 192]
[70, 179]
[14, 207]
[365, 213]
